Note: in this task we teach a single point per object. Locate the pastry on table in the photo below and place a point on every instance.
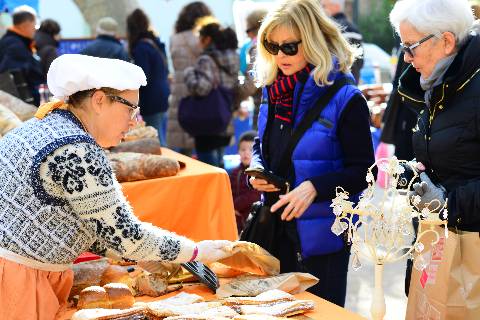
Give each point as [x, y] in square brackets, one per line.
[270, 296]
[159, 309]
[181, 299]
[135, 313]
[222, 312]
[281, 309]
[258, 317]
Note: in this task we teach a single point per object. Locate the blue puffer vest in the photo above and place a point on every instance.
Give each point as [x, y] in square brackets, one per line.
[317, 153]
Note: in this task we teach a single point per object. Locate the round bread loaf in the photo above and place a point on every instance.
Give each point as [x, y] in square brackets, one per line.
[119, 295]
[93, 297]
[117, 274]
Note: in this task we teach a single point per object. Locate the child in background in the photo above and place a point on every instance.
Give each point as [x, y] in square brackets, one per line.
[243, 196]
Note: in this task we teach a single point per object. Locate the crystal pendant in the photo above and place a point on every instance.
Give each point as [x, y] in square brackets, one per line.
[337, 228]
[406, 231]
[419, 247]
[420, 263]
[356, 265]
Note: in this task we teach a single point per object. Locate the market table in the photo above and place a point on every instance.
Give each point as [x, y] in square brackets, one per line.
[324, 310]
[196, 203]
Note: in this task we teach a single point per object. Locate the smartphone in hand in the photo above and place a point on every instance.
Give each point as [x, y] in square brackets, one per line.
[277, 181]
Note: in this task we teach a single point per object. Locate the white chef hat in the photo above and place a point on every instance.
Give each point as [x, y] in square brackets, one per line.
[71, 73]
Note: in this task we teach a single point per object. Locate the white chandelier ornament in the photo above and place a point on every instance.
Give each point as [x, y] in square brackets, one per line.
[379, 227]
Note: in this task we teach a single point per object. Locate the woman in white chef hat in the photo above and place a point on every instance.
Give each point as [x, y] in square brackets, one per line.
[59, 197]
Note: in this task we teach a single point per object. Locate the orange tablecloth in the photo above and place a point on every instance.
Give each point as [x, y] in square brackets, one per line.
[196, 203]
[324, 310]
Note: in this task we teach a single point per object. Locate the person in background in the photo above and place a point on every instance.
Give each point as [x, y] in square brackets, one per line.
[47, 41]
[442, 80]
[72, 202]
[301, 53]
[148, 52]
[335, 9]
[17, 51]
[243, 195]
[254, 20]
[106, 45]
[184, 51]
[217, 65]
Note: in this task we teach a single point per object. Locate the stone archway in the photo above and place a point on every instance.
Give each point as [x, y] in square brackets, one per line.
[93, 10]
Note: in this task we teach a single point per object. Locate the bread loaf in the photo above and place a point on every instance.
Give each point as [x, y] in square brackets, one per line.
[119, 295]
[93, 297]
[22, 110]
[129, 166]
[141, 133]
[147, 145]
[117, 274]
[8, 120]
[110, 296]
[87, 274]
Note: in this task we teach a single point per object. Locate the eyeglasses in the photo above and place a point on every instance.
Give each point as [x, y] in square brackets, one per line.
[134, 109]
[290, 49]
[409, 49]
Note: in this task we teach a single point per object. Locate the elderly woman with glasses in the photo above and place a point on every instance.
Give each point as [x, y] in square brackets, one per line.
[443, 81]
[59, 196]
[302, 59]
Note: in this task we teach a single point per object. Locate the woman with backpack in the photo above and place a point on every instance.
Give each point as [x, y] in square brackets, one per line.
[148, 52]
[218, 65]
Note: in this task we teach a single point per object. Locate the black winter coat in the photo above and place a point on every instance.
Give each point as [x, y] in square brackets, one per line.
[16, 54]
[447, 136]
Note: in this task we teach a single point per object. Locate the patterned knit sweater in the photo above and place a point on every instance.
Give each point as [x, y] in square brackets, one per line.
[59, 198]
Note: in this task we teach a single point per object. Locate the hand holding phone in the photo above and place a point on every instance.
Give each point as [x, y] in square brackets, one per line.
[278, 182]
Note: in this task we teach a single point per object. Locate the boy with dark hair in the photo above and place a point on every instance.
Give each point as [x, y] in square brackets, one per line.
[243, 196]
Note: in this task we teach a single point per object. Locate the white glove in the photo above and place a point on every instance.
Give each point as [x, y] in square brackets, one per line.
[213, 250]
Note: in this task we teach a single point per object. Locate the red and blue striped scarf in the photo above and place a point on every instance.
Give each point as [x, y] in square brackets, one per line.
[281, 93]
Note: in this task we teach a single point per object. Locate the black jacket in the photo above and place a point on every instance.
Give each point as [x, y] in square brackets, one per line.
[447, 136]
[353, 36]
[46, 49]
[105, 46]
[16, 54]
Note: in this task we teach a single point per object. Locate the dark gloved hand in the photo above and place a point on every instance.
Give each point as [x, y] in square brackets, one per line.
[408, 174]
[427, 191]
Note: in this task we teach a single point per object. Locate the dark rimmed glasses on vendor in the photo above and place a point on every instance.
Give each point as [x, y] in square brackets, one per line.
[290, 48]
[133, 108]
[409, 49]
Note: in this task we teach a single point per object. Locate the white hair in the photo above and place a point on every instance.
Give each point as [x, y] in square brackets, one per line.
[434, 16]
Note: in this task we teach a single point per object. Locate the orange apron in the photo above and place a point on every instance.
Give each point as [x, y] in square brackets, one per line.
[28, 290]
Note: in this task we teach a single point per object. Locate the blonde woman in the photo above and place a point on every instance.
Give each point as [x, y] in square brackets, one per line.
[301, 53]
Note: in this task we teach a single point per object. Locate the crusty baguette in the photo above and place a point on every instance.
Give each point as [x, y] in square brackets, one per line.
[129, 166]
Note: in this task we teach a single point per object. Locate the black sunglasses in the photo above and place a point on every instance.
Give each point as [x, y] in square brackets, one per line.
[135, 109]
[290, 49]
[409, 49]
